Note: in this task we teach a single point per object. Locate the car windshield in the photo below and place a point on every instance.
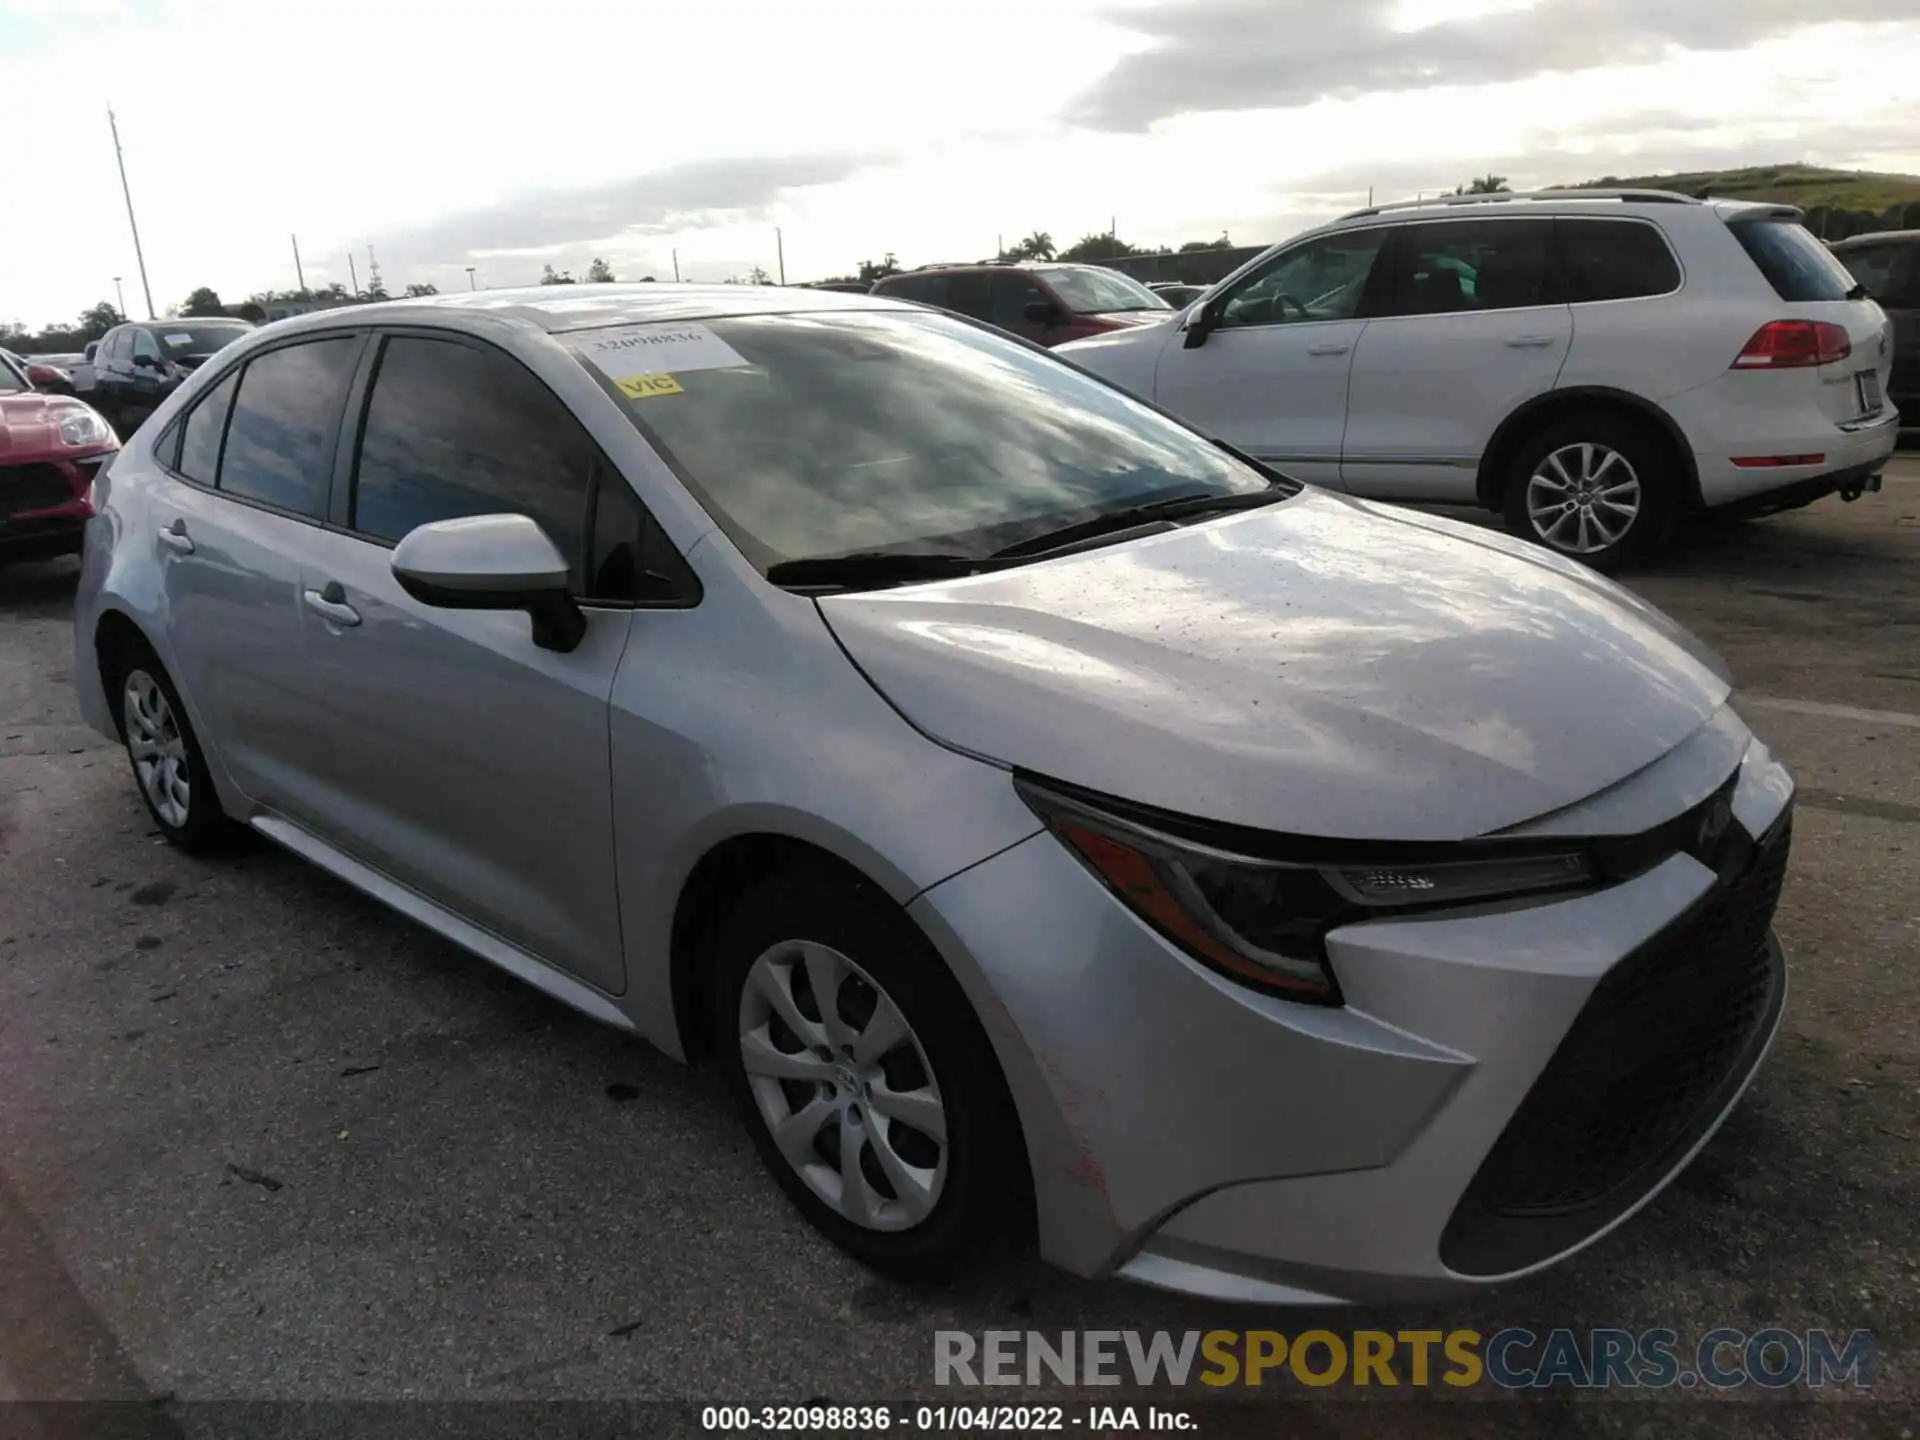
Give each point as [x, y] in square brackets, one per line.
[852, 432]
[1091, 291]
[194, 339]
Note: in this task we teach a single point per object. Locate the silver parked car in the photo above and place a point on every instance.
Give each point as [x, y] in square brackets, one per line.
[1044, 814]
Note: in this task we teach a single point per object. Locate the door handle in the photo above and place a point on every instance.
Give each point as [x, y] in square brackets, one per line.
[332, 603]
[1328, 348]
[175, 537]
[1533, 342]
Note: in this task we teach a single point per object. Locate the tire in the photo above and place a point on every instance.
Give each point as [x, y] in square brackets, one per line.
[1595, 448]
[926, 1202]
[169, 768]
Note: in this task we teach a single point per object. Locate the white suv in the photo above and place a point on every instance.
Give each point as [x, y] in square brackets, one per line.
[1592, 363]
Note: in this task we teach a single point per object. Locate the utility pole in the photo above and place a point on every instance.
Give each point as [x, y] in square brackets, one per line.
[470, 284]
[1369, 197]
[122, 296]
[298, 273]
[375, 285]
[353, 274]
[676, 266]
[121, 161]
[780, 248]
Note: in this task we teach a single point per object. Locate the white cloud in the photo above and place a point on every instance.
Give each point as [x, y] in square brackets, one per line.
[447, 136]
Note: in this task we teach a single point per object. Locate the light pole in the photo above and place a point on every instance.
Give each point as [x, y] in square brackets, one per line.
[121, 296]
[121, 161]
[470, 284]
[780, 248]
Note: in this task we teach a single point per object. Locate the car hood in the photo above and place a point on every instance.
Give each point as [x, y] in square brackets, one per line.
[1323, 667]
[1136, 317]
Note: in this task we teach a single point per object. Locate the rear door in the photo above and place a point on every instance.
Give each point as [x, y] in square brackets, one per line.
[1891, 272]
[465, 761]
[1469, 327]
[1813, 284]
[1271, 378]
[243, 506]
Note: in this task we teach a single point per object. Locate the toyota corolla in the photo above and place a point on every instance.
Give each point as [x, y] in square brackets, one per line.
[1046, 816]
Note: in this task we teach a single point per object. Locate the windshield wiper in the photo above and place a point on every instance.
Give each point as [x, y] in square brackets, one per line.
[1182, 507]
[873, 568]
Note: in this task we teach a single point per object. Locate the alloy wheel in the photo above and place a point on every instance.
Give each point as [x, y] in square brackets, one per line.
[1583, 498]
[843, 1085]
[158, 749]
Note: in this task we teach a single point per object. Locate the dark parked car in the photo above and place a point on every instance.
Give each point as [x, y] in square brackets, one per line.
[139, 365]
[1048, 304]
[1888, 265]
[51, 447]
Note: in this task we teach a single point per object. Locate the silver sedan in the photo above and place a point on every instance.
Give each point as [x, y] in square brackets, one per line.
[1050, 820]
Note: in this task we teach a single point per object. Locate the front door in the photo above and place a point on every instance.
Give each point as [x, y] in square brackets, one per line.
[1271, 378]
[1467, 330]
[465, 761]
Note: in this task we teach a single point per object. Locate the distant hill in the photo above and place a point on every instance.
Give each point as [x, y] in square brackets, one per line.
[1845, 202]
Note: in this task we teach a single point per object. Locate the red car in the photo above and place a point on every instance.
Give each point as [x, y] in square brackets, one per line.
[51, 447]
[1048, 304]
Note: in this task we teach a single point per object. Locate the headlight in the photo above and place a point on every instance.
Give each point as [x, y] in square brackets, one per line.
[1264, 921]
[80, 426]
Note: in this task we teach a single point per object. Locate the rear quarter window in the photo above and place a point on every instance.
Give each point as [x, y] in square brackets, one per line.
[1613, 260]
[1800, 269]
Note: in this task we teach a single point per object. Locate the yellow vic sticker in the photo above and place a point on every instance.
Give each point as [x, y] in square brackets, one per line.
[642, 387]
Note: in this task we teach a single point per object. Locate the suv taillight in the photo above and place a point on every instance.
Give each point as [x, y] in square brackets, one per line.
[1793, 344]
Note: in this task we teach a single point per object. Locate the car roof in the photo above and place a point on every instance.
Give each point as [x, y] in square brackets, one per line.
[1877, 237]
[557, 309]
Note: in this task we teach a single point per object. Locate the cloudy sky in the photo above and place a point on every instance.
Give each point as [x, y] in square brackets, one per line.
[509, 136]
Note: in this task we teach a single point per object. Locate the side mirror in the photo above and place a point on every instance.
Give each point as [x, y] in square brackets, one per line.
[147, 362]
[1043, 312]
[1206, 318]
[492, 562]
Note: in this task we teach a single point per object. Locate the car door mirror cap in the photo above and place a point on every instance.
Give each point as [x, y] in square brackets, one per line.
[492, 562]
[1201, 324]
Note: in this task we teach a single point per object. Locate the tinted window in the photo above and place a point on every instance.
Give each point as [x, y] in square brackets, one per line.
[1321, 280]
[1012, 293]
[629, 558]
[927, 289]
[1467, 265]
[12, 378]
[277, 440]
[1614, 260]
[452, 430]
[1891, 273]
[144, 347]
[1799, 267]
[967, 293]
[200, 437]
[821, 434]
[116, 345]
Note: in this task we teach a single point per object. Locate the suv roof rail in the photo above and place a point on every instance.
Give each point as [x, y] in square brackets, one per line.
[1657, 197]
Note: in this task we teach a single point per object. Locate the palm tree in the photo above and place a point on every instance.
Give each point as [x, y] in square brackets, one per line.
[1485, 185]
[1037, 246]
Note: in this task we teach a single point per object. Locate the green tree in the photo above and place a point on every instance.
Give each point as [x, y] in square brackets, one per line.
[1488, 184]
[887, 266]
[1099, 247]
[599, 272]
[416, 290]
[203, 301]
[251, 310]
[550, 276]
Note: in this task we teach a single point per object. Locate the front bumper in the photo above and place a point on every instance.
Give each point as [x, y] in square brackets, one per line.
[1189, 1133]
[43, 505]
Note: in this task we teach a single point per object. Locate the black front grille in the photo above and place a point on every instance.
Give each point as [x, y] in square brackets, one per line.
[1662, 1043]
[38, 486]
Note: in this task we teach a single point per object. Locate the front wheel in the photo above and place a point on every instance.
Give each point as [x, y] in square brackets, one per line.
[1599, 488]
[868, 1086]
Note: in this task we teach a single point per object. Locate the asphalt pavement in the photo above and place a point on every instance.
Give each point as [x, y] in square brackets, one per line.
[262, 1140]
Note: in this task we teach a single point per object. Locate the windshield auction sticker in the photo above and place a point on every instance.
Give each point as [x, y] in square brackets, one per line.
[638, 358]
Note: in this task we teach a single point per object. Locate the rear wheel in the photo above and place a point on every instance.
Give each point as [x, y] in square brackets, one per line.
[869, 1088]
[168, 764]
[1600, 488]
